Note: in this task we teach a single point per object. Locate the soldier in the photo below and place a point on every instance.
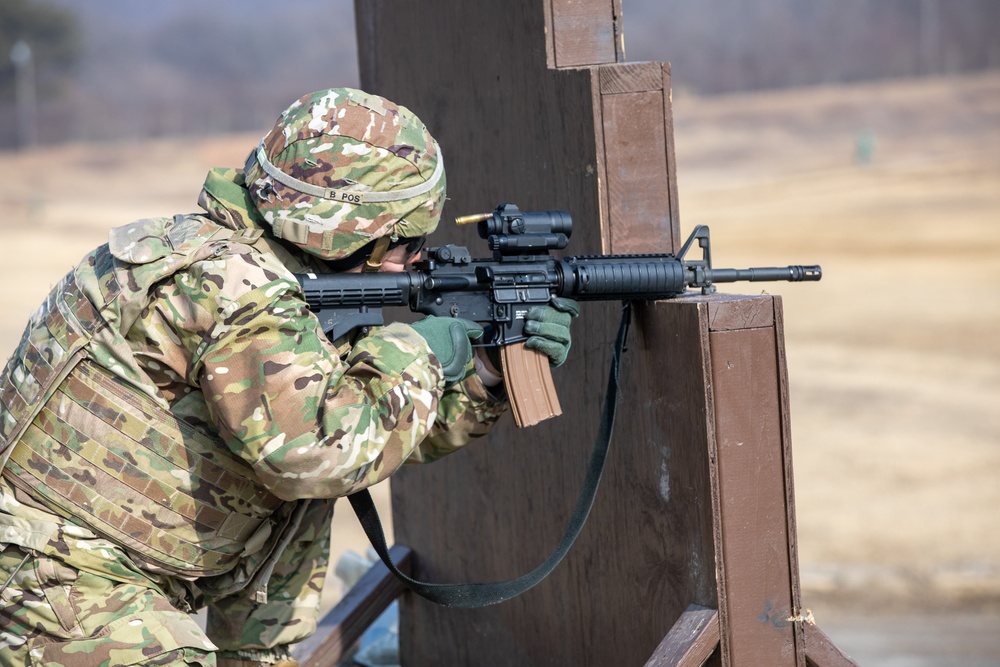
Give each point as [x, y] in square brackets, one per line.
[175, 426]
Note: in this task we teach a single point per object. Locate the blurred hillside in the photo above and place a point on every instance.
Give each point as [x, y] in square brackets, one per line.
[200, 68]
[190, 68]
[720, 46]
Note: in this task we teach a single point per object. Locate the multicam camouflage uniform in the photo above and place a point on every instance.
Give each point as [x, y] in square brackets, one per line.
[176, 425]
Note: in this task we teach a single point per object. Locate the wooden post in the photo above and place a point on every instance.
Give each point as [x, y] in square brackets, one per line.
[530, 105]
[731, 401]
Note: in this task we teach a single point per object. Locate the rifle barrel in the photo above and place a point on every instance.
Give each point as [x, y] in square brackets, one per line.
[795, 273]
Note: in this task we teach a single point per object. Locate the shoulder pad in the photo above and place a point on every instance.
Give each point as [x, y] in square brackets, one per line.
[149, 239]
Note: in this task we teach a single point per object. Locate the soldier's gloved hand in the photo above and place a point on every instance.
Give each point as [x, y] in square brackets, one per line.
[449, 340]
[548, 327]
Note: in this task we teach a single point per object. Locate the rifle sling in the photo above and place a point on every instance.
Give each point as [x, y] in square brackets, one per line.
[473, 595]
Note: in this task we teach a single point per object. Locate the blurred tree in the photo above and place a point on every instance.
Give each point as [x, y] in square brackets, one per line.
[53, 34]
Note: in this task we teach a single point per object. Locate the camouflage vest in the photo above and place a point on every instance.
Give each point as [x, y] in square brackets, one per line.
[85, 432]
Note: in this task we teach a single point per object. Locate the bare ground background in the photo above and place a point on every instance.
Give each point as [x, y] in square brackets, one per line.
[894, 358]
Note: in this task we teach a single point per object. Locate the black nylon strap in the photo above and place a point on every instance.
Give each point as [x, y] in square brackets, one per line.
[469, 596]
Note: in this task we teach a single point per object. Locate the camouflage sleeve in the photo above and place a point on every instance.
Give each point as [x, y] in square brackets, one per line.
[466, 411]
[312, 424]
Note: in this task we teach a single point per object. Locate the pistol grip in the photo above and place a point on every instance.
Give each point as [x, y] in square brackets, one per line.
[528, 379]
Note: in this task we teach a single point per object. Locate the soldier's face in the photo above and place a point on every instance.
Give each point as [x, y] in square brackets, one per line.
[398, 259]
[402, 256]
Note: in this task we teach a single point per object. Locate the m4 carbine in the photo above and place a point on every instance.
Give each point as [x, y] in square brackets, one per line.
[499, 291]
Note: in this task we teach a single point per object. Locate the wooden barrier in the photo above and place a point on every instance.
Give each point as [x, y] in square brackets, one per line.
[689, 555]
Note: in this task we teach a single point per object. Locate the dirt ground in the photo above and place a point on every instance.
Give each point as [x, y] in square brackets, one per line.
[894, 358]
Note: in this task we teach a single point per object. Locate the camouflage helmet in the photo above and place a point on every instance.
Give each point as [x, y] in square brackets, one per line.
[342, 168]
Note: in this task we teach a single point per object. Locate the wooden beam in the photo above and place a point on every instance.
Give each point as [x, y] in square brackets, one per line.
[636, 155]
[583, 32]
[361, 606]
[821, 652]
[692, 640]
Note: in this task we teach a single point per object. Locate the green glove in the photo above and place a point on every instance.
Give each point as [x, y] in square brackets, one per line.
[549, 328]
[448, 338]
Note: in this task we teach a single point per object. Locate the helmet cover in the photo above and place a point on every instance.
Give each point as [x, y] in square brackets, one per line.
[343, 167]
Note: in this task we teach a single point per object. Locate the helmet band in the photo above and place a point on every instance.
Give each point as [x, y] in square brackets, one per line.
[350, 196]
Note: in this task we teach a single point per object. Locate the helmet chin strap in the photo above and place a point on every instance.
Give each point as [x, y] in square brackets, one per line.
[374, 261]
